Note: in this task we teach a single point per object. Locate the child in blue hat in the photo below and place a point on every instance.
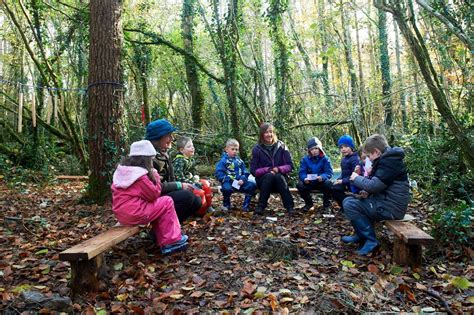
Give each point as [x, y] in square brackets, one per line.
[350, 160]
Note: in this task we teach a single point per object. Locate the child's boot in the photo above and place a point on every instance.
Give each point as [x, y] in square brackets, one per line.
[226, 199]
[246, 204]
[175, 247]
[366, 231]
[308, 203]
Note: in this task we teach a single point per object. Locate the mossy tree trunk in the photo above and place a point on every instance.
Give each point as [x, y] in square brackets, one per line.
[105, 95]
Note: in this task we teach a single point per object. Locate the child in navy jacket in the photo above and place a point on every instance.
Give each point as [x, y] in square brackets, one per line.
[350, 159]
[315, 174]
[231, 172]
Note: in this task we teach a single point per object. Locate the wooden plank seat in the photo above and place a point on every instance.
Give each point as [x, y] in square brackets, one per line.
[409, 242]
[87, 259]
[217, 190]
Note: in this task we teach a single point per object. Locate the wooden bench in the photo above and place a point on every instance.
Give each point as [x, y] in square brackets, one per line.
[408, 245]
[87, 259]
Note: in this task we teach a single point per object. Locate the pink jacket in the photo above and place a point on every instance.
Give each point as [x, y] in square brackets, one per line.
[134, 195]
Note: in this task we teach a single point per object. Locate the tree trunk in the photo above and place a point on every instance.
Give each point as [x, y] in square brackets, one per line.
[192, 75]
[324, 51]
[385, 71]
[347, 41]
[280, 61]
[403, 102]
[105, 95]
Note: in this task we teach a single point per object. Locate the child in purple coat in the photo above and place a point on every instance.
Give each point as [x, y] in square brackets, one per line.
[271, 163]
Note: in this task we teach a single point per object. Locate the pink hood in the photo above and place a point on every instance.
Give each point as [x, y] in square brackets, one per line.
[125, 176]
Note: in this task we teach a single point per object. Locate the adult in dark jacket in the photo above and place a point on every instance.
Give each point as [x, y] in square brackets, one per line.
[389, 193]
[271, 163]
[160, 134]
[315, 174]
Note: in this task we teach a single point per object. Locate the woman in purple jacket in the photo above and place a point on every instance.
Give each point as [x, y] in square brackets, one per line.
[271, 163]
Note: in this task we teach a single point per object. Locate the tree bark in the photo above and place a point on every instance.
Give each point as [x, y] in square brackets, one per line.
[105, 95]
[192, 75]
[385, 70]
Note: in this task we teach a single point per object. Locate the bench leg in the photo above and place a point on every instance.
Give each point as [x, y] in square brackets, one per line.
[405, 254]
[86, 275]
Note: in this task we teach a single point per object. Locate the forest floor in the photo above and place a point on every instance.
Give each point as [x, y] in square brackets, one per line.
[229, 267]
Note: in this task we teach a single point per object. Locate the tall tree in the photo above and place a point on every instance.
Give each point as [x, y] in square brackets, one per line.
[192, 75]
[404, 14]
[403, 102]
[105, 91]
[385, 69]
[281, 63]
[347, 42]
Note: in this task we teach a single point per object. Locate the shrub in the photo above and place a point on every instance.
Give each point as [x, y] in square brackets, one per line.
[453, 225]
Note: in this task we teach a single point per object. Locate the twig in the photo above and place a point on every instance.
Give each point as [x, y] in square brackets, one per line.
[436, 295]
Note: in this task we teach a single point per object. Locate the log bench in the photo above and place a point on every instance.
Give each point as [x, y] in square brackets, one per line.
[409, 242]
[87, 258]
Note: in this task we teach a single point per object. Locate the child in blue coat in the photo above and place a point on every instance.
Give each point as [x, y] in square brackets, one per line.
[349, 162]
[315, 174]
[233, 175]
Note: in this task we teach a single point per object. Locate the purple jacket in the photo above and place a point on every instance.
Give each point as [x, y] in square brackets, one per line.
[262, 163]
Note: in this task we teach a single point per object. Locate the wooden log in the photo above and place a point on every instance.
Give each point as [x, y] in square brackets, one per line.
[407, 254]
[87, 275]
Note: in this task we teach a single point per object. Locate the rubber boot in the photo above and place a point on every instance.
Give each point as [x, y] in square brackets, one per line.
[178, 246]
[246, 204]
[365, 229]
[351, 239]
[226, 199]
[308, 203]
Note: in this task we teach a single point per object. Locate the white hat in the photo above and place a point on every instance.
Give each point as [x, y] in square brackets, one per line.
[142, 148]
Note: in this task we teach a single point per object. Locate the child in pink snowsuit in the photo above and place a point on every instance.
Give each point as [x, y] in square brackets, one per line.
[136, 200]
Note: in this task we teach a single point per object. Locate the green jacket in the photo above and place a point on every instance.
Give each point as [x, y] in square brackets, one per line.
[184, 169]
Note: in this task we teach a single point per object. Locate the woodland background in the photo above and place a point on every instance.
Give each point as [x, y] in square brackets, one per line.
[79, 81]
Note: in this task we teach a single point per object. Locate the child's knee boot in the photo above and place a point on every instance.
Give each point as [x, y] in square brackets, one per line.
[246, 204]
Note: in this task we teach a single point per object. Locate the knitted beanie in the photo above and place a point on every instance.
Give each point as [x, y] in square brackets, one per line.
[158, 128]
[142, 148]
[346, 140]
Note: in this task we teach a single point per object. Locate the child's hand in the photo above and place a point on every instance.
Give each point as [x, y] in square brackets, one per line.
[319, 179]
[339, 182]
[187, 186]
[357, 169]
[240, 182]
[353, 176]
[363, 194]
[306, 181]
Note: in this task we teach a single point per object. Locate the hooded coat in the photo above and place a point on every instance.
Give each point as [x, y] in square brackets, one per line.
[136, 200]
[388, 183]
[320, 165]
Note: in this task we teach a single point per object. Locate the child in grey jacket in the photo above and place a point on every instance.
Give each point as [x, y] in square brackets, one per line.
[389, 193]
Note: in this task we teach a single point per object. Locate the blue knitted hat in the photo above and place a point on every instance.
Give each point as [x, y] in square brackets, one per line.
[158, 128]
[347, 140]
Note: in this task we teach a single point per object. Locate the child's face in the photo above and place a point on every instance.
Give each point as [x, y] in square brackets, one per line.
[374, 155]
[232, 150]
[345, 150]
[314, 151]
[188, 149]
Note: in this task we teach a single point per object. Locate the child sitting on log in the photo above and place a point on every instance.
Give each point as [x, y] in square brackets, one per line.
[389, 192]
[137, 200]
[184, 171]
[233, 175]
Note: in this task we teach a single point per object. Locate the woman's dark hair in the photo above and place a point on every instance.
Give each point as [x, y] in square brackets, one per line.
[145, 162]
[263, 128]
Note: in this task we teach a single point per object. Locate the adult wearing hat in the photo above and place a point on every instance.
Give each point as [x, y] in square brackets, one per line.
[160, 134]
